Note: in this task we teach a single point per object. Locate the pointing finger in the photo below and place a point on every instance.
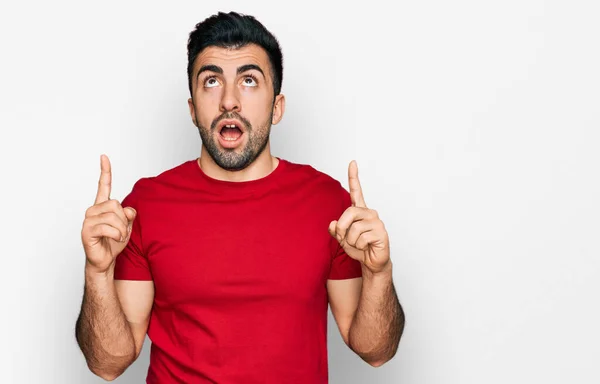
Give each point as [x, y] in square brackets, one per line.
[105, 180]
[355, 189]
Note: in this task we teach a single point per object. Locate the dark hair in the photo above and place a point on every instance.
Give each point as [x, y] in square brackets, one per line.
[234, 30]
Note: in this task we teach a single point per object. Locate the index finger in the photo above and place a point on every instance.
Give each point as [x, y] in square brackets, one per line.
[105, 180]
[356, 194]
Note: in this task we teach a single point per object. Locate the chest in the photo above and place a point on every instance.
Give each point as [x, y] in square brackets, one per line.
[213, 252]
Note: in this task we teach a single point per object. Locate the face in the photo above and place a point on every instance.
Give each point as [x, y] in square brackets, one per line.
[233, 104]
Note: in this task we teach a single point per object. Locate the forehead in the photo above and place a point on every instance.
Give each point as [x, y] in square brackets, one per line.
[231, 58]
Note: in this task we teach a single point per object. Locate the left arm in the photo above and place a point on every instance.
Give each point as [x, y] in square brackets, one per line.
[367, 311]
[368, 314]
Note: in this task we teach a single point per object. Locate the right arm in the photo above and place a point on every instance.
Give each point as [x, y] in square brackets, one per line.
[113, 321]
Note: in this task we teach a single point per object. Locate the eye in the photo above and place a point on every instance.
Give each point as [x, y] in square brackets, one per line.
[211, 82]
[250, 81]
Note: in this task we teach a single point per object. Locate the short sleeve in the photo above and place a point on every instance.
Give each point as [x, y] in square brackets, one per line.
[342, 265]
[132, 263]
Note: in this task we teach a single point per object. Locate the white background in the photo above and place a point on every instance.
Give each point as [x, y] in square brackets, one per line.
[475, 125]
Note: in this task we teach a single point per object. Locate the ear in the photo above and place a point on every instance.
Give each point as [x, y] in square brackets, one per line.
[192, 111]
[278, 109]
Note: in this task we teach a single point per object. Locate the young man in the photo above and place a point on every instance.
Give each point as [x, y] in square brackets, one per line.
[229, 262]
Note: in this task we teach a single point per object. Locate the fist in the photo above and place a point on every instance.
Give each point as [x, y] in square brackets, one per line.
[107, 225]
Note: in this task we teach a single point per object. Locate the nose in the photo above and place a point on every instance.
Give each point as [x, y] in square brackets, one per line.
[230, 100]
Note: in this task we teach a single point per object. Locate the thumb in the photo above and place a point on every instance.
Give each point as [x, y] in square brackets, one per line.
[130, 213]
[332, 226]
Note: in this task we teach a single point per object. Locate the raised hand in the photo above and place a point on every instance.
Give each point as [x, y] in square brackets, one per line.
[360, 231]
[107, 225]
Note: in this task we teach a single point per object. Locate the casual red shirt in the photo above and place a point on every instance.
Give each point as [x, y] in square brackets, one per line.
[240, 272]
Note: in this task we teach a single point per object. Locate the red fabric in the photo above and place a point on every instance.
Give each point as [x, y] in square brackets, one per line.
[240, 272]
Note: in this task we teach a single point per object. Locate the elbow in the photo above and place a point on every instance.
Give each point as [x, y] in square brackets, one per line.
[382, 356]
[378, 359]
[111, 371]
[376, 363]
[374, 359]
[107, 374]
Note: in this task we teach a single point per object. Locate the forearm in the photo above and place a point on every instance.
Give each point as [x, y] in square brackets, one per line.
[102, 330]
[379, 320]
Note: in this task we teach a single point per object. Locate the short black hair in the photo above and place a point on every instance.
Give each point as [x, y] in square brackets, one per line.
[235, 30]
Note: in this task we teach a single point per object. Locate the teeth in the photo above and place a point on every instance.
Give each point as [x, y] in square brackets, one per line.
[229, 138]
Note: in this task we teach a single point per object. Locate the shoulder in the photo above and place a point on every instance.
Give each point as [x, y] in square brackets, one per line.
[148, 186]
[321, 183]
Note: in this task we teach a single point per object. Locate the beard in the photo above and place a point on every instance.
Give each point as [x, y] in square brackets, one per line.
[233, 159]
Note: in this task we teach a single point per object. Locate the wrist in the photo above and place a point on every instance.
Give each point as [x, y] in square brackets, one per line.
[96, 274]
[382, 273]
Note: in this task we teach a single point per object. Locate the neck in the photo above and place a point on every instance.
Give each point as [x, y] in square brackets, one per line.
[262, 166]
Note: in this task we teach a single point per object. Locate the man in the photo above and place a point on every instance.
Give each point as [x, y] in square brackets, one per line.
[229, 261]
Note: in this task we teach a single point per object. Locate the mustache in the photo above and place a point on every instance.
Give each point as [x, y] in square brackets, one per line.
[232, 115]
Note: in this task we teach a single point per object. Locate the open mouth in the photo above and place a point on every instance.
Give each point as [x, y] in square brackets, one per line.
[230, 132]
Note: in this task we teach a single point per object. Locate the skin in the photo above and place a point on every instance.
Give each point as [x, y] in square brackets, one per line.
[367, 310]
[114, 316]
[232, 94]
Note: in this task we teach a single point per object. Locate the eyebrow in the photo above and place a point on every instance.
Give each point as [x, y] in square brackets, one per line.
[219, 70]
[249, 67]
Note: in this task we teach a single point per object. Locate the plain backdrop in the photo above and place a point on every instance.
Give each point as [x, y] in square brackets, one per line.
[475, 125]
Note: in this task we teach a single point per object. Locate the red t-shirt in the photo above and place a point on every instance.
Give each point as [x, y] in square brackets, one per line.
[240, 272]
